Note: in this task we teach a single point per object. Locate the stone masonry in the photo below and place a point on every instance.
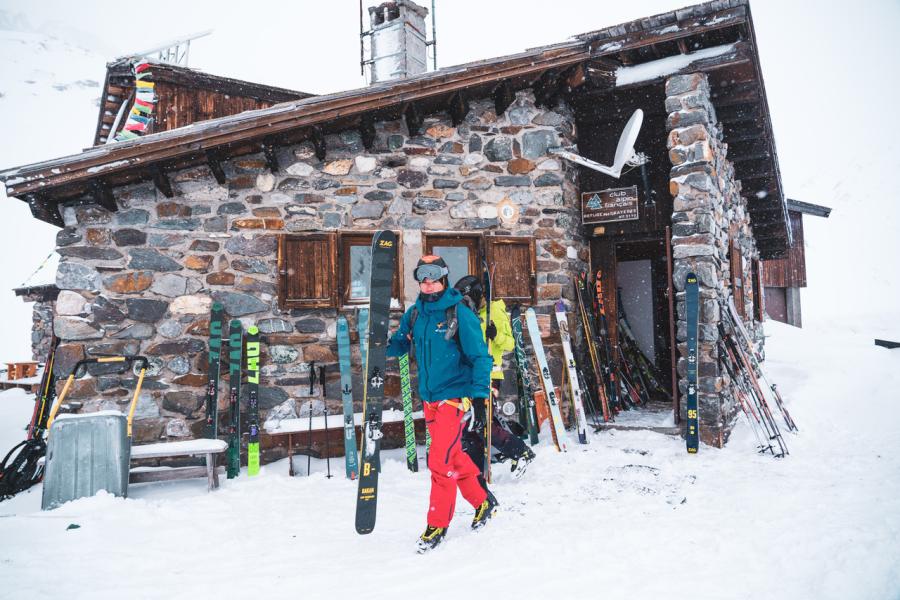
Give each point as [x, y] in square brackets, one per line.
[708, 209]
[142, 279]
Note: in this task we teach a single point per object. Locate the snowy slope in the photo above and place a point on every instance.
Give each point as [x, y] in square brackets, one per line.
[49, 94]
[631, 515]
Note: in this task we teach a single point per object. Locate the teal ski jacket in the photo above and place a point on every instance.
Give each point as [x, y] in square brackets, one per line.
[454, 368]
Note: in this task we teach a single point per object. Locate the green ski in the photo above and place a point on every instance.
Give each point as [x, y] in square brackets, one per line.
[235, 347]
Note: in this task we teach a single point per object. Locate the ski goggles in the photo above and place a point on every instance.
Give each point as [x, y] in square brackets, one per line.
[430, 272]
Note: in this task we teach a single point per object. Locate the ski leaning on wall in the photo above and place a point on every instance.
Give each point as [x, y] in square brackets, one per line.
[527, 408]
[556, 422]
[351, 463]
[409, 426]
[235, 347]
[253, 400]
[572, 370]
[692, 314]
[384, 252]
[215, 360]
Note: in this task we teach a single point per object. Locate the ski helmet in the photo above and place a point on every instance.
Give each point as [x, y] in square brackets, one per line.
[472, 288]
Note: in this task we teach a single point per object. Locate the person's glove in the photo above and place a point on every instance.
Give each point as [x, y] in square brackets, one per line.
[491, 331]
[477, 420]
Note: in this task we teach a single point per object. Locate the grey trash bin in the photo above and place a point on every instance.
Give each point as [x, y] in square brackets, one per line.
[86, 454]
[91, 452]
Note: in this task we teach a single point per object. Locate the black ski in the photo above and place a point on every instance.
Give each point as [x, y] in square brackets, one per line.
[692, 314]
[527, 408]
[384, 252]
[215, 356]
[253, 400]
[235, 352]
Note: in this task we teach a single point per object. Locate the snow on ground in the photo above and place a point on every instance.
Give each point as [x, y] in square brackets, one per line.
[631, 515]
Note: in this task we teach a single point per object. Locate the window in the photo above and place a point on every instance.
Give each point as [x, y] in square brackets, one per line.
[736, 262]
[306, 273]
[356, 262]
[322, 270]
[460, 252]
[515, 268]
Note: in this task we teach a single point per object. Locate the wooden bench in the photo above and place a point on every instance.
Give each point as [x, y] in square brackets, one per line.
[206, 448]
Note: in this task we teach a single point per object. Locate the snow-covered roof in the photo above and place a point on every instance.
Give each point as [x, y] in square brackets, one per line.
[715, 37]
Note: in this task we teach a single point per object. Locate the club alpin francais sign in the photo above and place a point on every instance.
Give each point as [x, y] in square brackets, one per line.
[609, 206]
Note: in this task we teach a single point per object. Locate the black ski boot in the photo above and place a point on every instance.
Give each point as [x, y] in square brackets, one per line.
[518, 465]
[430, 539]
[485, 511]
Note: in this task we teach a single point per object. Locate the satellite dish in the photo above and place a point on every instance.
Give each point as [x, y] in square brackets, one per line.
[625, 154]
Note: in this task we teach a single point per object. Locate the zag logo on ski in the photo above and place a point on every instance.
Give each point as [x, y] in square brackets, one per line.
[384, 251]
[692, 318]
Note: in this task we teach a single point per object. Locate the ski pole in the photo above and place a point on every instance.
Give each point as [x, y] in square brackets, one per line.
[325, 402]
[312, 389]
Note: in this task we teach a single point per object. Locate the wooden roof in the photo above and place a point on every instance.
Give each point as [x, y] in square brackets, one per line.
[118, 89]
[582, 70]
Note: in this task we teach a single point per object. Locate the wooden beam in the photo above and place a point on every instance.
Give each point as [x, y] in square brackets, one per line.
[413, 118]
[575, 77]
[161, 181]
[503, 96]
[44, 210]
[546, 88]
[458, 107]
[214, 162]
[367, 131]
[318, 141]
[103, 195]
[271, 154]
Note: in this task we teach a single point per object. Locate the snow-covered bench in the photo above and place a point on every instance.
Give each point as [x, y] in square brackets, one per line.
[207, 448]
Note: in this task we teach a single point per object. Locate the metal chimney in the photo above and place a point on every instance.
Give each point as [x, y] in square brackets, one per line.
[398, 43]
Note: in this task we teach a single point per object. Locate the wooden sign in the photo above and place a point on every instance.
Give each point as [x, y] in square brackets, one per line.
[610, 206]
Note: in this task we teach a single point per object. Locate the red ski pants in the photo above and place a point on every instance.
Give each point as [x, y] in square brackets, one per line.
[450, 467]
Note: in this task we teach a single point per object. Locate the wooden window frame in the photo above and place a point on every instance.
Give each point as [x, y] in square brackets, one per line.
[346, 239]
[330, 300]
[471, 241]
[491, 242]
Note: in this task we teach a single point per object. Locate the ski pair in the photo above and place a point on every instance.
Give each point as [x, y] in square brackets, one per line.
[236, 348]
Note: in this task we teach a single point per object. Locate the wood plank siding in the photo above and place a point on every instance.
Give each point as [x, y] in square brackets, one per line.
[789, 271]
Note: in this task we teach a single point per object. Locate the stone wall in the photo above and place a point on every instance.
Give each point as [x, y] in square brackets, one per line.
[708, 209]
[142, 279]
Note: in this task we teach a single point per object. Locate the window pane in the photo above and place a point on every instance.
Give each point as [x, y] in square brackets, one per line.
[360, 264]
[457, 259]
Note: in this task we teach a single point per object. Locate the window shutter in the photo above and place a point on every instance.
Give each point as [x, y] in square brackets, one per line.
[515, 268]
[737, 278]
[306, 274]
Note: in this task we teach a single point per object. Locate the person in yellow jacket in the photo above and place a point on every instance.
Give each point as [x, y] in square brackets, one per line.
[501, 341]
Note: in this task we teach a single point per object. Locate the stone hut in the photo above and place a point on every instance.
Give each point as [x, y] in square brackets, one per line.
[272, 211]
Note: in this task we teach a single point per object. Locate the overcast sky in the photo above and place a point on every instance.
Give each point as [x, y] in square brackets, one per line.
[831, 74]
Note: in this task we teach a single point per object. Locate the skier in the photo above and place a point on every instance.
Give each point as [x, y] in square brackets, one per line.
[500, 334]
[453, 366]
